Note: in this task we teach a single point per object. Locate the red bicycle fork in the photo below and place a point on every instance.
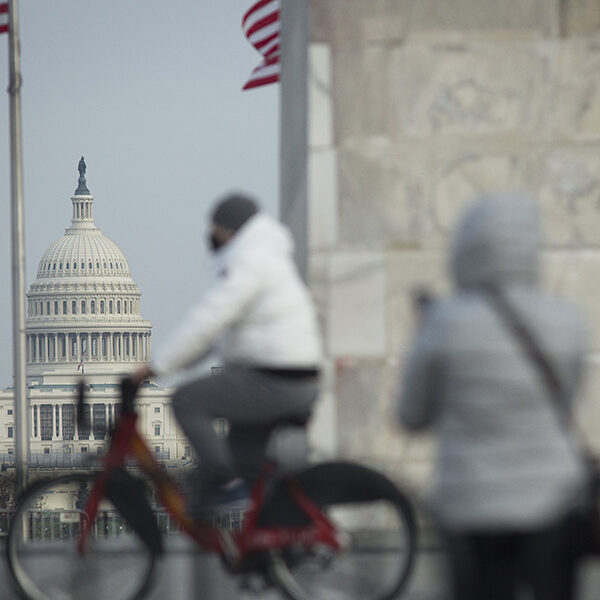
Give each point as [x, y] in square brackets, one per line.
[120, 447]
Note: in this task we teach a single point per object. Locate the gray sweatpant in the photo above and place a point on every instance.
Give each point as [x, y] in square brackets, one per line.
[252, 402]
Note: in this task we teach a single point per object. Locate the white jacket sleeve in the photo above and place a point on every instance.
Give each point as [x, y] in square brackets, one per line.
[224, 302]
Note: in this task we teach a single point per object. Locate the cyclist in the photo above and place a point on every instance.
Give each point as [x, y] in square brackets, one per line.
[262, 314]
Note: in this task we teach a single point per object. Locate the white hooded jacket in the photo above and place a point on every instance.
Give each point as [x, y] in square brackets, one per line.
[258, 307]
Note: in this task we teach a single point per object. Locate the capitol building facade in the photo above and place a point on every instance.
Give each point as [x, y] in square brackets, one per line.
[83, 318]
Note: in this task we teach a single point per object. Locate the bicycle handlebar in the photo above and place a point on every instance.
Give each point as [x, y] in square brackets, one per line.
[128, 393]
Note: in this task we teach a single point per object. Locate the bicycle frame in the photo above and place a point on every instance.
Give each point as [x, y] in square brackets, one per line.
[234, 546]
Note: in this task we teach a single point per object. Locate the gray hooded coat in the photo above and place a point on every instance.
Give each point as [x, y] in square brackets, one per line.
[504, 462]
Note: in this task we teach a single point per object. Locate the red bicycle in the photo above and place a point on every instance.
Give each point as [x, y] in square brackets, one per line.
[335, 530]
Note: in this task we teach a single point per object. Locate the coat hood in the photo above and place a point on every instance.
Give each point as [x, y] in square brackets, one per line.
[261, 233]
[497, 242]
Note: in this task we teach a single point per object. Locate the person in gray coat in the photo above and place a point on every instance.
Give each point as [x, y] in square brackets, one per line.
[507, 474]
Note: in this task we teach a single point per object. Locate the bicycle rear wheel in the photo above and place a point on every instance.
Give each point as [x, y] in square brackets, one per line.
[377, 522]
[42, 546]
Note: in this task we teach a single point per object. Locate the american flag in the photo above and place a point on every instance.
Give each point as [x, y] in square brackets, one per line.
[262, 27]
[3, 17]
[81, 365]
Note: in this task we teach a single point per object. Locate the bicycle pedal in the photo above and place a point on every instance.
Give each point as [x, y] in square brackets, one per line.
[253, 584]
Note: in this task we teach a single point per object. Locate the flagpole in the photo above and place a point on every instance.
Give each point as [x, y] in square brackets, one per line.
[18, 254]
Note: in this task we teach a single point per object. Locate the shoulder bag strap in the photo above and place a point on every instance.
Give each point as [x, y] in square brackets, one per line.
[531, 348]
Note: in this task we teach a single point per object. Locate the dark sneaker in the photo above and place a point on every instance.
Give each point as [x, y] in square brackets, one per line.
[213, 502]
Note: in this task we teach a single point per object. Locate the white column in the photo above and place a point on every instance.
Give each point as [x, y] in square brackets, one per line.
[166, 415]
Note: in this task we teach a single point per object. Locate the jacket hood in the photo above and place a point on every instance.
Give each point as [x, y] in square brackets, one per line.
[497, 242]
[261, 233]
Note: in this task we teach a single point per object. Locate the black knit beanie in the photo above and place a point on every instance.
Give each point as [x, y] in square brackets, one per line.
[233, 211]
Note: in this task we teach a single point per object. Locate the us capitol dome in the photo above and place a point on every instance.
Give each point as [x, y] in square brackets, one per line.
[83, 318]
[84, 307]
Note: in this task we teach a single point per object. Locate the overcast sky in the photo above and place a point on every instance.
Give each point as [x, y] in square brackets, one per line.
[150, 93]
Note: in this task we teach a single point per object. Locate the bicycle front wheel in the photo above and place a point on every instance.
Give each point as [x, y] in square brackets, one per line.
[376, 521]
[42, 546]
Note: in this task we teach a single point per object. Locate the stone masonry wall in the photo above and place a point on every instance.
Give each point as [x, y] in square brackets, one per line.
[415, 107]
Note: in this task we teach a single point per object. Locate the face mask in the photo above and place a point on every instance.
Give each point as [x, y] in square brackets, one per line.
[214, 243]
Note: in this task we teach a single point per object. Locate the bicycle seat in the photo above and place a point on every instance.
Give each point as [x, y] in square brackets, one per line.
[282, 442]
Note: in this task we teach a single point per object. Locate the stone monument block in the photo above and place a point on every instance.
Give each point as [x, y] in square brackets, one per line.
[535, 18]
[570, 196]
[363, 103]
[323, 209]
[463, 174]
[323, 426]
[468, 88]
[575, 97]
[574, 275]
[416, 107]
[588, 407]
[579, 17]
[365, 410]
[356, 22]
[382, 194]
[320, 126]
[355, 321]
[407, 271]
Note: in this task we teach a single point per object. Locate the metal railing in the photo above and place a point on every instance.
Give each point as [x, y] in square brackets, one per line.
[49, 525]
[79, 460]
